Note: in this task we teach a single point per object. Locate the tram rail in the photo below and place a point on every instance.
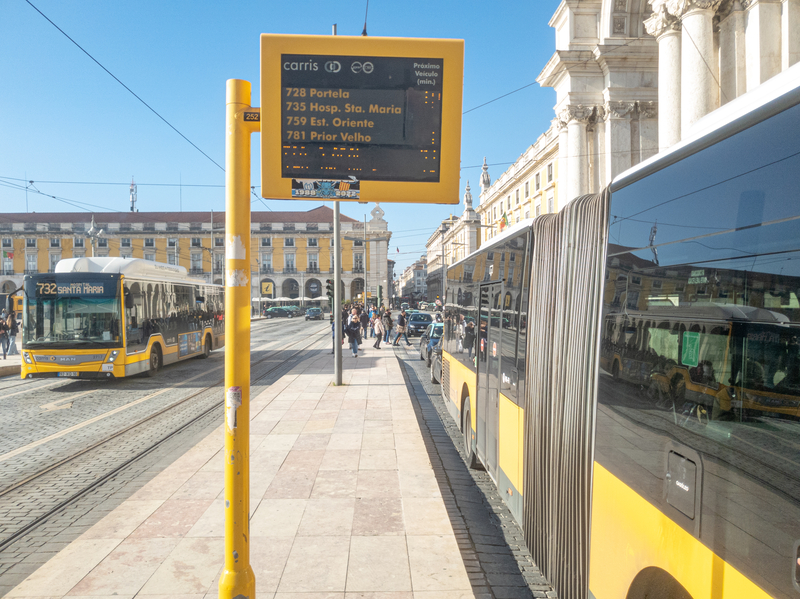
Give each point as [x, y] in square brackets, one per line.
[307, 343]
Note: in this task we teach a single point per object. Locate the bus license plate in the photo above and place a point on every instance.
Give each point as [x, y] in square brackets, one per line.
[67, 374]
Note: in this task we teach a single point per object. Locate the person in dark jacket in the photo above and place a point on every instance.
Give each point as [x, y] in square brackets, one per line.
[401, 329]
[353, 329]
[364, 324]
[388, 323]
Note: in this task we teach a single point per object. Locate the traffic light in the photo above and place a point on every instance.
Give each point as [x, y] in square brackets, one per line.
[329, 290]
[380, 295]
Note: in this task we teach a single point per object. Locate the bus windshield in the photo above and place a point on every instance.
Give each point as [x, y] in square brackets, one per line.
[70, 321]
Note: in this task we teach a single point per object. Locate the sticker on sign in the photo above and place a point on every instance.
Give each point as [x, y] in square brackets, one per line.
[330, 189]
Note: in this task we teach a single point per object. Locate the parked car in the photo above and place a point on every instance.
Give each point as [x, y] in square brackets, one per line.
[277, 312]
[296, 310]
[428, 339]
[436, 363]
[418, 322]
[314, 314]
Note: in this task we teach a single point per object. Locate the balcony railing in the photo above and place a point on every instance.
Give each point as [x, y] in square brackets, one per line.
[358, 269]
[313, 268]
[289, 270]
[31, 271]
[196, 271]
[7, 272]
[267, 270]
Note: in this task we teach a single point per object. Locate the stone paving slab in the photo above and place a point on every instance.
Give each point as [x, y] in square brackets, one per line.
[344, 504]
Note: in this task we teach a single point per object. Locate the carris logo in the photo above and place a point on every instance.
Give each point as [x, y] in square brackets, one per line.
[333, 66]
[365, 67]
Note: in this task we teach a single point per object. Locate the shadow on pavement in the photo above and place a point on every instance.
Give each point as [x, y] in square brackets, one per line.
[492, 544]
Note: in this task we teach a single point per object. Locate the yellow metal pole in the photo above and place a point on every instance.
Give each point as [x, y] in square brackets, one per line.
[237, 580]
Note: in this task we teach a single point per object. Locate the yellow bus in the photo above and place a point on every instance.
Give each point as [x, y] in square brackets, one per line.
[628, 370]
[12, 302]
[115, 317]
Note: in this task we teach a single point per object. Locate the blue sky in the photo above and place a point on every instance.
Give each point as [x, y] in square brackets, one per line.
[80, 136]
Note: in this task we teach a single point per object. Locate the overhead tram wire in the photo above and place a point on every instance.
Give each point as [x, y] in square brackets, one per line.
[171, 126]
[533, 82]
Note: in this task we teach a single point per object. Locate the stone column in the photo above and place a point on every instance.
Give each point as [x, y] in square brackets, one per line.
[790, 33]
[762, 40]
[648, 129]
[732, 57]
[699, 70]
[667, 30]
[577, 117]
[562, 176]
[618, 137]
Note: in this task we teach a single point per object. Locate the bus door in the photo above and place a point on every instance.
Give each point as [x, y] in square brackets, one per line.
[488, 407]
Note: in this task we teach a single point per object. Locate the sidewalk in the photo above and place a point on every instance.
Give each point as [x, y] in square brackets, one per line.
[344, 504]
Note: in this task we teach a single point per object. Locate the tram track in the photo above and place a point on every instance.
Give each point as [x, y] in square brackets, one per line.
[307, 342]
[33, 384]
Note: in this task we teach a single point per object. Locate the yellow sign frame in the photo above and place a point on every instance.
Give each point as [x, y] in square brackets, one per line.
[446, 191]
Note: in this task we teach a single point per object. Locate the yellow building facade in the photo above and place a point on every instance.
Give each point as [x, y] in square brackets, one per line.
[291, 253]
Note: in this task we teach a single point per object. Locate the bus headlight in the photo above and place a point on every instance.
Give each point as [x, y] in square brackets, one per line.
[114, 355]
[27, 357]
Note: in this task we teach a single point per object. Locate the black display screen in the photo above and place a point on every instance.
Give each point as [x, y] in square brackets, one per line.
[365, 118]
[72, 285]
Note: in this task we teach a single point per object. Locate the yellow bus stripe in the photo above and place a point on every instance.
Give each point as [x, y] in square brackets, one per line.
[628, 529]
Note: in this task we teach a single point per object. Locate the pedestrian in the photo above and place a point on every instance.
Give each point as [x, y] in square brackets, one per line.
[388, 323]
[353, 331]
[333, 333]
[401, 329]
[364, 317]
[4, 337]
[469, 338]
[13, 331]
[377, 326]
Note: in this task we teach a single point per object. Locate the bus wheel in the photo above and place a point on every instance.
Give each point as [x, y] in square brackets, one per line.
[155, 360]
[206, 348]
[472, 460]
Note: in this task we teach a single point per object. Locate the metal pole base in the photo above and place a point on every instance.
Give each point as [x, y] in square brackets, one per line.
[239, 584]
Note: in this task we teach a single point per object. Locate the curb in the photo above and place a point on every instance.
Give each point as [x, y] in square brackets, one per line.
[10, 370]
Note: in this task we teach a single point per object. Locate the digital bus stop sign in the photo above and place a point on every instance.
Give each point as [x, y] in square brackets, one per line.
[361, 118]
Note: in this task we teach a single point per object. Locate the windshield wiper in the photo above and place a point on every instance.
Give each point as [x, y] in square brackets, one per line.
[92, 341]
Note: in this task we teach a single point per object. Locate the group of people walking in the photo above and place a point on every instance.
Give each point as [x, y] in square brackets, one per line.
[9, 329]
[359, 323]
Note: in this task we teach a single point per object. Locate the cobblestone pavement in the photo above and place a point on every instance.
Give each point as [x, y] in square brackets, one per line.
[23, 505]
[492, 543]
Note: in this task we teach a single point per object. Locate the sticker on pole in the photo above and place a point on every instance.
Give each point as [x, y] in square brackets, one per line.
[233, 401]
[348, 189]
[494, 349]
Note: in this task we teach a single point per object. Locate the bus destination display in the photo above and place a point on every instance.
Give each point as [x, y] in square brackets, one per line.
[357, 118]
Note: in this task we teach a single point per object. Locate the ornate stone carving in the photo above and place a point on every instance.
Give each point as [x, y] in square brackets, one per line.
[620, 5]
[576, 112]
[678, 8]
[619, 25]
[377, 214]
[618, 110]
[467, 198]
[660, 21]
[486, 181]
[648, 110]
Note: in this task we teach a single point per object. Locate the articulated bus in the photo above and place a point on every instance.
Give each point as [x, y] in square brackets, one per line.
[628, 370]
[115, 317]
